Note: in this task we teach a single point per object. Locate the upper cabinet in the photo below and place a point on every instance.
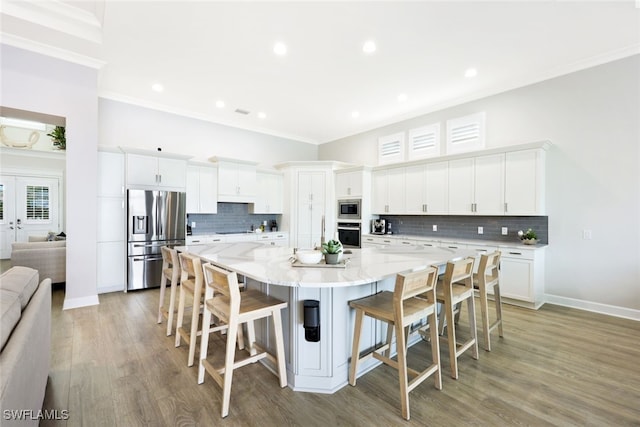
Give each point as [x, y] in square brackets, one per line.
[149, 172]
[348, 184]
[269, 198]
[236, 181]
[202, 189]
[501, 181]
[525, 183]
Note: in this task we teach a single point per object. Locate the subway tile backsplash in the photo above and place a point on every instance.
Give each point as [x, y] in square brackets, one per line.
[231, 217]
[466, 227]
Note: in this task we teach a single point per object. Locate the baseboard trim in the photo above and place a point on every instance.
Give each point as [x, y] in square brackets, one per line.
[611, 310]
[70, 303]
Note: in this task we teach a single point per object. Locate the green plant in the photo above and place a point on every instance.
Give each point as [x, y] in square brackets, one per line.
[529, 235]
[332, 247]
[58, 137]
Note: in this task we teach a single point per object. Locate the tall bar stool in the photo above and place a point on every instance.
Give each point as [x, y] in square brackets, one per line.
[399, 309]
[191, 283]
[224, 300]
[455, 288]
[170, 272]
[488, 278]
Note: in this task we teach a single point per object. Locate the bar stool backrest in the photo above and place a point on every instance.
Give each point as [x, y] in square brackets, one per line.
[490, 265]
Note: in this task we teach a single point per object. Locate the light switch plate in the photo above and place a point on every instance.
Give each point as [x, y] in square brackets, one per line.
[193, 224]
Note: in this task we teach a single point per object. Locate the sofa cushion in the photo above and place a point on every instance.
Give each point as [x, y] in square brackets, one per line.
[10, 313]
[38, 245]
[22, 281]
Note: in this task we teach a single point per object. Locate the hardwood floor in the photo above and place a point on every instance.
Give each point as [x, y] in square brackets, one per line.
[112, 365]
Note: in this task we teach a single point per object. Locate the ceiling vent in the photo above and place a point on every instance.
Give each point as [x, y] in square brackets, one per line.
[241, 111]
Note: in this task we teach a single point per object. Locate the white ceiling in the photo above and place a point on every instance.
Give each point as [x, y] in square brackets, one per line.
[203, 51]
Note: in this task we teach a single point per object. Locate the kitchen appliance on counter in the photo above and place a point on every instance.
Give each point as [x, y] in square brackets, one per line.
[154, 219]
[349, 209]
[378, 226]
[349, 234]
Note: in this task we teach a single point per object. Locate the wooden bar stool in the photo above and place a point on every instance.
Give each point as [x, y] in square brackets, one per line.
[455, 288]
[170, 272]
[412, 299]
[191, 283]
[488, 278]
[224, 300]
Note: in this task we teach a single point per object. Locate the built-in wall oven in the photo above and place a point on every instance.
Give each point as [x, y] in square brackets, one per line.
[349, 234]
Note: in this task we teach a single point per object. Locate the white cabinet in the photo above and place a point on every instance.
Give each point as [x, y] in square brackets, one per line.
[522, 276]
[373, 241]
[388, 191]
[476, 185]
[202, 189]
[274, 239]
[524, 182]
[111, 237]
[311, 207]
[426, 189]
[148, 172]
[236, 181]
[348, 184]
[269, 193]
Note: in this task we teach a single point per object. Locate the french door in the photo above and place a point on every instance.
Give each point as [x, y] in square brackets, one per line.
[29, 206]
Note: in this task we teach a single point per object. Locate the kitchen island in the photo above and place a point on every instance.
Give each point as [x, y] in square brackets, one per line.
[321, 366]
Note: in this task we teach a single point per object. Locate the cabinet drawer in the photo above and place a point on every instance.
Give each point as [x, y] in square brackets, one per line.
[517, 253]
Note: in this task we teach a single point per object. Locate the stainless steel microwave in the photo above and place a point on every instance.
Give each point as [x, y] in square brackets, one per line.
[349, 209]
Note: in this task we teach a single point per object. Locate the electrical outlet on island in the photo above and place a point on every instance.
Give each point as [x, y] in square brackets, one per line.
[435, 227]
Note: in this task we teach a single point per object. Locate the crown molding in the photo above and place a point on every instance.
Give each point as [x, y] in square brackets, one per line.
[58, 16]
[52, 51]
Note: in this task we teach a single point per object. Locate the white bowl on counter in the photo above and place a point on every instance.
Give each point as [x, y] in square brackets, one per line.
[308, 256]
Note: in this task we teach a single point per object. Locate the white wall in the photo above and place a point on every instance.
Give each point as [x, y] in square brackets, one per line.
[42, 84]
[592, 117]
[128, 125]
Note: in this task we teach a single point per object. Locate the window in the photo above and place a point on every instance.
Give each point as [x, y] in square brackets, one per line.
[465, 133]
[37, 203]
[424, 142]
[391, 148]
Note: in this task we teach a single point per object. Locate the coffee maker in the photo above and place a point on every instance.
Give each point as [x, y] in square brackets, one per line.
[378, 226]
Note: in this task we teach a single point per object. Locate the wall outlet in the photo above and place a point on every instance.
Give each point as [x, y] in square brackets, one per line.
[435, 227]
[480, 230]
[586, 234]
[505, 231]
[193, 224]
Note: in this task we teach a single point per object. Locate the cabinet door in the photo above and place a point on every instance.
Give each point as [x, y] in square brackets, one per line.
[524, 183]
[379, 192]
[172, 173]
[489, 185]
[142, 170]
[111, 219]
[246, 180]
[437, 188]
[227, 179]
[343, 185]
[111, 175]
[311, 204]
[395, 190]
[516, 278]
[269, 198]
[208, 190]
[415, 178]
[461, 187]
[193, 189]
[111, 258]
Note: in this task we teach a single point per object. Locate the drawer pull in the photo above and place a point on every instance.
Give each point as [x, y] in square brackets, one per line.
[515, 253]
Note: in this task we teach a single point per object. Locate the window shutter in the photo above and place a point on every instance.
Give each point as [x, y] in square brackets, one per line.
[424, 142]
[466, 133]
[391, 148]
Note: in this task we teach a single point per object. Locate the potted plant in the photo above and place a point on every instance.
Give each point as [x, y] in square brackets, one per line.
[332, 250]
[58, 137]
[529, 237]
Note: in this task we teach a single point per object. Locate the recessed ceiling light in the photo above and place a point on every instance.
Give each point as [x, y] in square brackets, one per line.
[471, 72]
[220, 103]
[402, 97]
[355, 114]
[157, 87]
[369, 46]
[262, 115]
[280, 49]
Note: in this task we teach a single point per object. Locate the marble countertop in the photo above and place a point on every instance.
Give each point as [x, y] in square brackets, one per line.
[272, 265]
[477, 242]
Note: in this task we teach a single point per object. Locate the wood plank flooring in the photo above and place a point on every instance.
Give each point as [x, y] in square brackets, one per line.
[112, 365]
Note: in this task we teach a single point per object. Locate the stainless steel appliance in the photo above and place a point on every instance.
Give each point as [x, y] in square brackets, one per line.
[378, 226]
[154, 219]
[349, 209]
[349, 234]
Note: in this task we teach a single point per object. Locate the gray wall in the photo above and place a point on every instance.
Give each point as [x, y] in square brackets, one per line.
[128, 125]
[592, 117]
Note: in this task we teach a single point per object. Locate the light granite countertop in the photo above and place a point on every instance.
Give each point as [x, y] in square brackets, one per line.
[273, 265]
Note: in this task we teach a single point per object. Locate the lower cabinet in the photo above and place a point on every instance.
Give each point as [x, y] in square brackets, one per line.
[522, 277]
[111, 267]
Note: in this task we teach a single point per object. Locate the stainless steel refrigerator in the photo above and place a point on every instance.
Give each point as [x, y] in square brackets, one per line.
[154, 219]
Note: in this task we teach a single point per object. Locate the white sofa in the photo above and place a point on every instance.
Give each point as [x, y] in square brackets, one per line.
[25, 350]
[49, 258]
